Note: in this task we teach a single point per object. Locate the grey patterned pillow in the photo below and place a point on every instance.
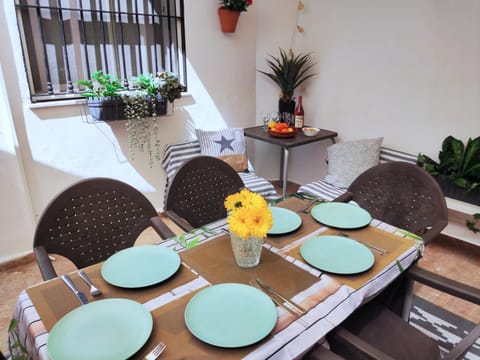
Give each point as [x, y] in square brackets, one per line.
[349, 159]
[226, 144]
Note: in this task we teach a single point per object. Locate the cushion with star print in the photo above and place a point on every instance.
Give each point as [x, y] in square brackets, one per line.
[226, 144]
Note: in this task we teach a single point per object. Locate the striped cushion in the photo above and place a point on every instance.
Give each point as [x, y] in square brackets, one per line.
[324, 190]
[176, 154]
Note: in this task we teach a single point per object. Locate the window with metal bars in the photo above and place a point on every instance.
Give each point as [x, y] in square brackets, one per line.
[67, 40]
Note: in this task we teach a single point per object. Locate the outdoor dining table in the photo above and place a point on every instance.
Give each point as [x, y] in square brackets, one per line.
[206, 260]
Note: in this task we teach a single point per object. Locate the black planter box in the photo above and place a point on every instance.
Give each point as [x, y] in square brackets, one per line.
[160, 106]
[451, 190]
[106, 109]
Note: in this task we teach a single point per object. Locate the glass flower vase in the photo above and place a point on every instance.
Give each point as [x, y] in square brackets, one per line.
[247, 251]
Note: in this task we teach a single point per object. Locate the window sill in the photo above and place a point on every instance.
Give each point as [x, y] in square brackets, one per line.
[59, 103]
[73, 102]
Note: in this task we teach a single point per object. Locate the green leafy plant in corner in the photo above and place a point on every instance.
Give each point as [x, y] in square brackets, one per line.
[289, 71]
[457, 162]
[472, 225]
[461, 164]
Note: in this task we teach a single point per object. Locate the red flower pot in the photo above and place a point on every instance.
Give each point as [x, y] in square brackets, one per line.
[228, 19]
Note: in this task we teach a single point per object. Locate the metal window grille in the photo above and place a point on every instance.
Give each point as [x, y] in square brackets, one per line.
[67, 40]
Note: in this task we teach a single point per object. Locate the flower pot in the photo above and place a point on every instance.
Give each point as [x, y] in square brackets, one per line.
[106, 109]
[247, 251]
[286, 109]
[228, 19]
[452, 190]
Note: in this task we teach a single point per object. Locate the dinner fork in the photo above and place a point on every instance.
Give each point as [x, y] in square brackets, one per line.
[380, 250]
[306, 208]
[156, 351]
[93, 290]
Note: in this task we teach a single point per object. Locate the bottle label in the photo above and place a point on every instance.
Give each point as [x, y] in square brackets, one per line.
[299, 121]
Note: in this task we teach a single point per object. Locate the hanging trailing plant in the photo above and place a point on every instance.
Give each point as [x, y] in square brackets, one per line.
[138, 110]
[140, 105]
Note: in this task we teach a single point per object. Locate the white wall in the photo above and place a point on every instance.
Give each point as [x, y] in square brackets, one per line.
[58, 147]
[405, 70]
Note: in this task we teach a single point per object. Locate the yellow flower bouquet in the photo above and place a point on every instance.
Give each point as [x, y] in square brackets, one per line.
[249, 221]
[249, 214]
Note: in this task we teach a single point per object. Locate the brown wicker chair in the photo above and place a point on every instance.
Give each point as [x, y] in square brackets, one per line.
[196, 195]
[92, 220]
[405, 196]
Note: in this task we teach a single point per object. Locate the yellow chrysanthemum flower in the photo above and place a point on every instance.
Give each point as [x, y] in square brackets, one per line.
[249, 214]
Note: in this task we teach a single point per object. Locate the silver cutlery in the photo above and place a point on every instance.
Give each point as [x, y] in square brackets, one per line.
[156, 351]
[275, 300]
[80, 295]
[299, 309]
[373, 247]
[308, 205]
[94, 291]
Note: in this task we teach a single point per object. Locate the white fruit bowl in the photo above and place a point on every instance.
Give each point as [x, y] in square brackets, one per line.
[310, 131]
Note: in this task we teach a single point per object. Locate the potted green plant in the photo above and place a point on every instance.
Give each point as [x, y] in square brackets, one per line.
[458, 169]
[288, 71]
[229, 12]
[149, 99]
[140, 105]
[458, 172]
[104, 99]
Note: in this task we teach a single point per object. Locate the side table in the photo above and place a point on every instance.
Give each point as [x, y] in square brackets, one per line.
[258, 133]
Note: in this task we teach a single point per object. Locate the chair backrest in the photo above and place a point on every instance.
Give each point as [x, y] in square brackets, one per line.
[90, 221]
[401, 194]
[198, 190]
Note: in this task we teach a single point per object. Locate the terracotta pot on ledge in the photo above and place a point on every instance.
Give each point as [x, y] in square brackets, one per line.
[228, 19]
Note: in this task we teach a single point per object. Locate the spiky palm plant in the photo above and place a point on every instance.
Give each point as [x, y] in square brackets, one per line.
[289, 71]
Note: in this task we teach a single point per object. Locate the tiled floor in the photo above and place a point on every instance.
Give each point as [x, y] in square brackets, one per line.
[446, 256]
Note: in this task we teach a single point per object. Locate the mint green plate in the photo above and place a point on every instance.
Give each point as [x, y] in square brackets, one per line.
[284, 221]
[337, 254]
[109, 329]
[140, 266]
[230, 315]
[341, 215]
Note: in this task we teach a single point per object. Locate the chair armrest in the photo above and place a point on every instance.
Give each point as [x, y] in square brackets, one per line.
[184, 224]
[44, 264]
[434, 231]
[461, 348]
[342, 337]
[161, 228]
[345, 197]
[452, 287]
[320, 352]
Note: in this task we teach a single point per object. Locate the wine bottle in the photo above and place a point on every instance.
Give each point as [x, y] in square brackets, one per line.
[299, 115]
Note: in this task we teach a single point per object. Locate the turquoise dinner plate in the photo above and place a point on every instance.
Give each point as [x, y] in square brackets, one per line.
[140, 266]
[337, 254]
[109, 329]
[341, 215]
[230, 315]
[284, 221]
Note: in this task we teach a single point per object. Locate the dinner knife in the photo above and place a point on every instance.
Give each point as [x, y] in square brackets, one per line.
[294, 305]
[277, 302]
[80, 295]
